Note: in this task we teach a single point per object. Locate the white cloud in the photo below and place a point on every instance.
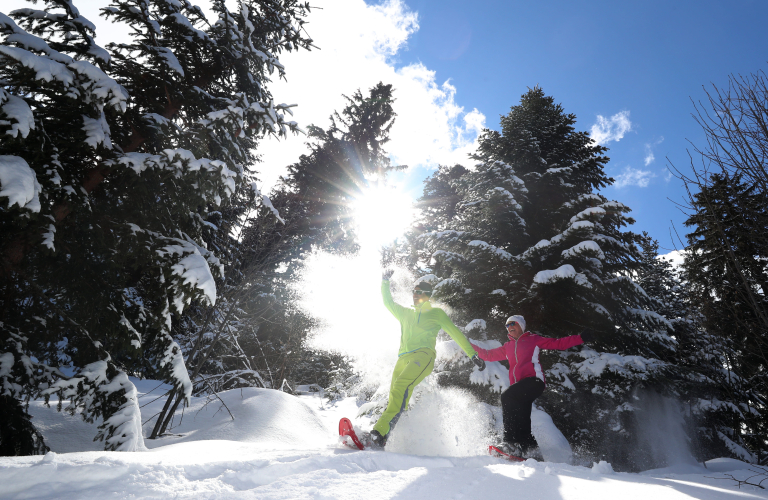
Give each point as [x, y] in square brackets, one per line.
[649, 156]
[475, 121]
[634, 177]
[611, 129]
[357, 45]
[676, 257]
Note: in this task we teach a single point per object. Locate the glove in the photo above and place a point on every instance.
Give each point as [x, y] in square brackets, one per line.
[479, 363]
[587, 335]
[387, 274]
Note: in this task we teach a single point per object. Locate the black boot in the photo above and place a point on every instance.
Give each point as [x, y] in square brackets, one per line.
[533, 452]
[510, 449]
[377, 440]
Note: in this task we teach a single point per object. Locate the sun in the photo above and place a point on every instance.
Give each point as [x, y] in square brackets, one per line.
[382, 214]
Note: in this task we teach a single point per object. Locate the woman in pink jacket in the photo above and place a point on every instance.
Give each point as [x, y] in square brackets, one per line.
[526, 381]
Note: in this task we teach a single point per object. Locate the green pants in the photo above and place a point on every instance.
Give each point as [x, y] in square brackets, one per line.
[410, 369]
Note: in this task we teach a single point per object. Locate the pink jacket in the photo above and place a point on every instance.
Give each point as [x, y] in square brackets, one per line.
[523, 354]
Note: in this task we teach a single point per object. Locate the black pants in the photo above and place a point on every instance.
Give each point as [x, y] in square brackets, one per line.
[516, 403]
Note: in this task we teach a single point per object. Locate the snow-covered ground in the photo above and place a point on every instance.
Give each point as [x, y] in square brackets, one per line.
[280, 446]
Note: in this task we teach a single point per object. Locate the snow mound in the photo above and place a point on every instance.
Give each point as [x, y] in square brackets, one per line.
[266, 417]
[602, 467]
[726, 465]
[552, 443]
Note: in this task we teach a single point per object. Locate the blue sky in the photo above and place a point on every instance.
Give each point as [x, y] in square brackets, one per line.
[649, 58]
[457, 65]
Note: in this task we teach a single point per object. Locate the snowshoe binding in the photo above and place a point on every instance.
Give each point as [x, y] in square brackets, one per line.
[507, 452]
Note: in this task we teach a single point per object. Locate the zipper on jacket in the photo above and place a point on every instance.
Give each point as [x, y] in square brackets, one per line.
[415, 309]
[514, 370]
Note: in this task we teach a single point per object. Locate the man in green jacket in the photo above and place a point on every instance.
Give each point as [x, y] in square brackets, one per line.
[419, 326]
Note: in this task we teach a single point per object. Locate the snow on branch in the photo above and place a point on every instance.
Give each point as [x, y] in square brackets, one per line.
[27, 41]
[483, 246]
[495, 376]
[61, 68]
[448, 237]
[97, 131]
[626, 280]
[181, 20]
[591, 213]
[595, 364]
[122, 430]
[266, 202]
[446, 256]
[610, 241]
[182, 162]
[17, 114]
[561, 273]
[575, 227]
[192, 269]
[648, 316]
[45, 68]
[18, 183]
[94, 389]
[173, 359]
[591, 197]
[19, 374]
[600, 309]
[615, 207]
[736, 449]
[506, 194]
[703, 406]
[584, 246]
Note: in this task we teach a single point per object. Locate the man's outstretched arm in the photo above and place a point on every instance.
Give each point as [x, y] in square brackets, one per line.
[447, 325]
[396, 309]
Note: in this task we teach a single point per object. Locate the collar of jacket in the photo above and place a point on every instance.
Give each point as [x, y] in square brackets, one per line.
[518, 338]
[423, 307]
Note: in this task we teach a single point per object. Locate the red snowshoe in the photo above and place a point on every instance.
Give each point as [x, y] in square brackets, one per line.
[347, 432]
[495, 452]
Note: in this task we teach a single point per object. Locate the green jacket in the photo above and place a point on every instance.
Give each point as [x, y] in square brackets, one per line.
[419, 325]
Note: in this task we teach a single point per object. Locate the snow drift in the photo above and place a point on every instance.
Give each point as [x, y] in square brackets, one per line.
[285, 447]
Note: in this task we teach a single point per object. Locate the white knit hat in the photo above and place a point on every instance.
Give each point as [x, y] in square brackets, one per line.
[519, 319]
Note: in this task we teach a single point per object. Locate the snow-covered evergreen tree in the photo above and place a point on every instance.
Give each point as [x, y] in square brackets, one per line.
[716, 399]
[725, 269]
[112, 162]
[530, 234]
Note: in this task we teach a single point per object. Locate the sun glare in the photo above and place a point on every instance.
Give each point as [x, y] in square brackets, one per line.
[382, 214]
[343, 291]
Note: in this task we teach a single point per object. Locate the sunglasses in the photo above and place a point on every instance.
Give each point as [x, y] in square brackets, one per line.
[421, 292]
[511, 323]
